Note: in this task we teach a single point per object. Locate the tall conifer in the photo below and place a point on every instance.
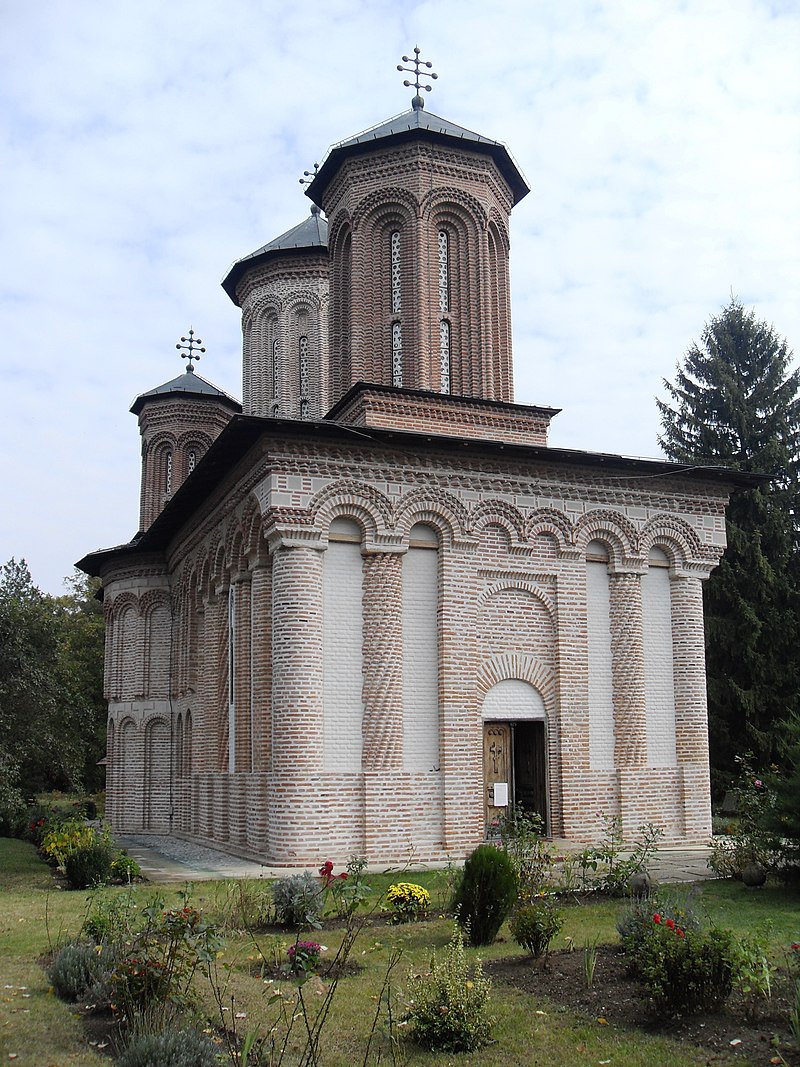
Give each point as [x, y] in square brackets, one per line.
[735, 404]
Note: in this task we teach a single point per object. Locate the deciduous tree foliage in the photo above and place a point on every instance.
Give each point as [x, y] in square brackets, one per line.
[52, 716]
[735, 403]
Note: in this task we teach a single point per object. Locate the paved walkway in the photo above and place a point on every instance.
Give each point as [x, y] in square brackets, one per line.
[170, 859]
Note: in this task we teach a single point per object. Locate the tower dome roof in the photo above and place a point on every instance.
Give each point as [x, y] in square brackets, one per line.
[187, 384]
[418, 124]
[310, 235]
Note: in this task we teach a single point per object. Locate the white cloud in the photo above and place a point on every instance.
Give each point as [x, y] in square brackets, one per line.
[146, 146]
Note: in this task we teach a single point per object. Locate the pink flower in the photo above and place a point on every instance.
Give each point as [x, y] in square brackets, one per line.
[758, 783]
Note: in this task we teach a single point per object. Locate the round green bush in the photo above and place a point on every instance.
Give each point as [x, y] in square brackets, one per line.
[535, 926]
[298, 899]
[79, 971]
[89, 865]
[171, 1048]
[485, 894]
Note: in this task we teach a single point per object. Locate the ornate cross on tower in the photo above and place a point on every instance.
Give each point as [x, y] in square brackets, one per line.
[417, 103]
[309, 175]
[194, 343]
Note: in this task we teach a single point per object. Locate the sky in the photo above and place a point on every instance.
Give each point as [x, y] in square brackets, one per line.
[145, 146]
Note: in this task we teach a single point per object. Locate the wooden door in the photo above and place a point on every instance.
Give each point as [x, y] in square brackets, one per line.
[530, 769]
[496, 770]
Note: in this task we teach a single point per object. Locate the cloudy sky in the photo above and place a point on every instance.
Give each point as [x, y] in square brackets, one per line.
[146, 145]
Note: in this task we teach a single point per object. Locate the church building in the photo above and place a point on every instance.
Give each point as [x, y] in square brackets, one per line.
[369, 610]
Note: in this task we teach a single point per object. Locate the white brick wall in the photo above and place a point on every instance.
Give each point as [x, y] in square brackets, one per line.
[421, 660]
[601, 705]
[513, 699]
[342, 657]
[658, 662]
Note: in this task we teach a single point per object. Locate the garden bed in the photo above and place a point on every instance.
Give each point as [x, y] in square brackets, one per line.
[615, 999]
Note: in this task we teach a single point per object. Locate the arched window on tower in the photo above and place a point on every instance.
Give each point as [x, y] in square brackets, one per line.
[302, 370]
[191, 460]
[443, 242]
[168, 471]
[397, 304]
[276, 395]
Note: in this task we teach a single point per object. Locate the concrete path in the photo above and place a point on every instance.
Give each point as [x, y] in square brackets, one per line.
[170, 859]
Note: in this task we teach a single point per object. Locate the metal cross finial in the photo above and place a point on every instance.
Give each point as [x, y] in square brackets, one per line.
[417, 103]
[309, 175]
[194, 343]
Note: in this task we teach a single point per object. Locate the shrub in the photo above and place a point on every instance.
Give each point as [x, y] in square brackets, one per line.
[171, 1048]
[304, 957]
[111, 918]
[124, 868]
[63, 837]
[610, 872]
[521, 834]
[89, 865]
[685, 970]
[448, 1004]
[408, 901]
[298, 900]
[635, 921]
[161, 958]
[535, 925]
[80, 971]
[485, 893]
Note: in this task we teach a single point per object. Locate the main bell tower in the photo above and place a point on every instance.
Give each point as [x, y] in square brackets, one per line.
[418, 215]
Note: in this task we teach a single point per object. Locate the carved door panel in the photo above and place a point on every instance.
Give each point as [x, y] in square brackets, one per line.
[496, 770]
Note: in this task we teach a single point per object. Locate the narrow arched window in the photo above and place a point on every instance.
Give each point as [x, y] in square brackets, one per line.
[302, 370]
[168, 473]
[444, 355]
[444, 272]
[397, 304]
[396, 277]
[275, 377]
[191, 462]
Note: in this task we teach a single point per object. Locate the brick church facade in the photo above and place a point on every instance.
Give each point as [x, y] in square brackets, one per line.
[370, 609]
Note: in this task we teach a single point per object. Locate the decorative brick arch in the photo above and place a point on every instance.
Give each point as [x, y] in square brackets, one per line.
[449, 201]
[350, 499]
[613, 529]
[253, 544]
[517, 666]
[675, 536]
[520, 586]
[498, 513]
[378, 207]
[441, 509]
[552, 522]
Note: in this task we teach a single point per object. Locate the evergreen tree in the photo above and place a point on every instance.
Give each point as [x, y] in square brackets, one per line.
[52, 715]
[735, 404]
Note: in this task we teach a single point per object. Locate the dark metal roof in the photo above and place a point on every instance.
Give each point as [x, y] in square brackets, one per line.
[444, 398]
[413, 125]
[190, 384]
[244, 431]
[310, 235]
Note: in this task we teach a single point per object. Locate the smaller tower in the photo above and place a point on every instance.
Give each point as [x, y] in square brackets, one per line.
[178, 421]
[282, 290]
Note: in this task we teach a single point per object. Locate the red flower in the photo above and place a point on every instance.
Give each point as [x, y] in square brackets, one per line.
[680, 932]
[657, 918]
[326, 869]
[343, 875]
[671, 924]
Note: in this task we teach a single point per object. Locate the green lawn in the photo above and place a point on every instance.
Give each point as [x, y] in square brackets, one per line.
[42, 1031]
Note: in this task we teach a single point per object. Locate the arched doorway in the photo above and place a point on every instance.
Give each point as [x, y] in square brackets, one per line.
[514, 751]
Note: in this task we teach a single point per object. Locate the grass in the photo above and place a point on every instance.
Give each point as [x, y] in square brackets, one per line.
[35, 916]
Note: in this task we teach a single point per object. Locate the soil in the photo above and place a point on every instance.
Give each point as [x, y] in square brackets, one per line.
[761, 1037]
